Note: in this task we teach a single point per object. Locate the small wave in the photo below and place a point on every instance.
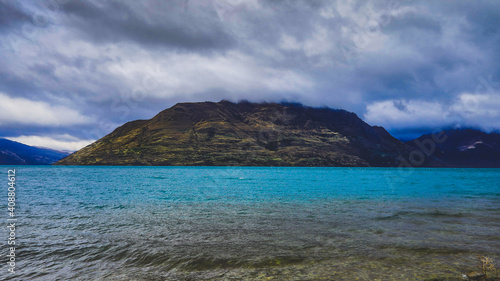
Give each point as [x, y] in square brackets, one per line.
[207, 263]
[159, 177]
[190, 262]
[427, 214]
[429, 249]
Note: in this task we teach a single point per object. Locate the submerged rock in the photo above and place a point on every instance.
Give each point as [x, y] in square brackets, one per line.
[473, 275]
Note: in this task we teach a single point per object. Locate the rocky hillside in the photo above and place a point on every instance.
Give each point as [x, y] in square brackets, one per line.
[249, 134]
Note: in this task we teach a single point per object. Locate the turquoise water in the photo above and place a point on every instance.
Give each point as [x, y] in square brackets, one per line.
[252, 223]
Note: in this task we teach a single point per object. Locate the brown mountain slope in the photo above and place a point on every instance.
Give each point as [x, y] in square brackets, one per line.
[249, 134]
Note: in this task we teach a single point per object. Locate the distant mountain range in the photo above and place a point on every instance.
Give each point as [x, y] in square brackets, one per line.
[266, 134]
[15, 153]
[463, 148]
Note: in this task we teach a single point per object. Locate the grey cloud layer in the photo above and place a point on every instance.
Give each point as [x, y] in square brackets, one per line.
[158, 23]
[114, 61]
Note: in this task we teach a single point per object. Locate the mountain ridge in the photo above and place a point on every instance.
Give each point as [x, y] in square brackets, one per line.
[467, 148]
[16, 153]
[247, 134]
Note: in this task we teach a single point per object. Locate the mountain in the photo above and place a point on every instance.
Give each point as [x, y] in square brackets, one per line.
[15, 153]
[463, 148]
[246, 134]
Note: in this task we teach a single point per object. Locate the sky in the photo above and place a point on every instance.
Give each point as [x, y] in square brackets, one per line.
[72, 71]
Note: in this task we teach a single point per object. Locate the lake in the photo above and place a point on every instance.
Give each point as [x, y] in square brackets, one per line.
[250, 223]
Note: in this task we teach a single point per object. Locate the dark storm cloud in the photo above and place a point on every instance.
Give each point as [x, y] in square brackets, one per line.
[82, 68]
[12, 84]
[157, 23]
[11, 14]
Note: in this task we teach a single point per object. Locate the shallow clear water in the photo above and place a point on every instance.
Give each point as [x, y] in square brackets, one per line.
[252, 223]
